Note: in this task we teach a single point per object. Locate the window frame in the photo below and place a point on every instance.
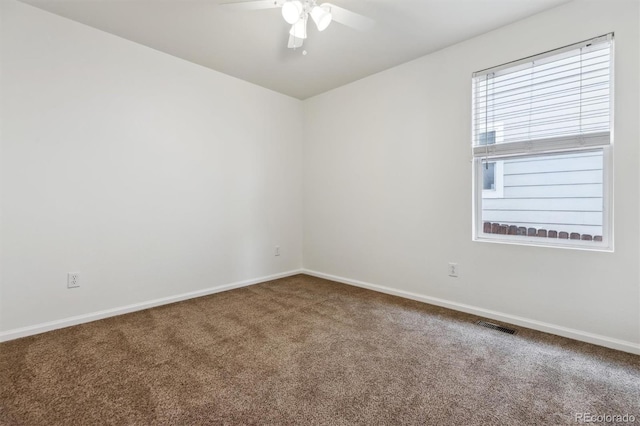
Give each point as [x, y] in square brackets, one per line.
[549, 146]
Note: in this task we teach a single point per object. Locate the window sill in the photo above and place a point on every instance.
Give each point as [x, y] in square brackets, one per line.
[545, 242]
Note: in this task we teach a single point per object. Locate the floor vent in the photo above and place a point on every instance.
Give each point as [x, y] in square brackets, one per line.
[496, 327]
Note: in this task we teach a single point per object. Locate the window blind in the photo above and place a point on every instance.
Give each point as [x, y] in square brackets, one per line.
[558, 100]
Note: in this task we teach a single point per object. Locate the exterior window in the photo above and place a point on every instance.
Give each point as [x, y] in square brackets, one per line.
[489, 176]
[487, 138]
[492, 179]
[542, 148]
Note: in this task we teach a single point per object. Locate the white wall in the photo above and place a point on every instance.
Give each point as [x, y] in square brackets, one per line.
[152, 176]
[387, 197]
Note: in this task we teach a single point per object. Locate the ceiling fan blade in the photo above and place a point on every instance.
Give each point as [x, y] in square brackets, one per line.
[252, 5]
[349, 18]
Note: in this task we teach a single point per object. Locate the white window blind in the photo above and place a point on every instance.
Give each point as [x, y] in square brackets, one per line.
[553, 101]
[542, 148]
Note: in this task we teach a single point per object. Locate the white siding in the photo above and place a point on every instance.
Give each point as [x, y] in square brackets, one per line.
[584, 204]
[553, 192]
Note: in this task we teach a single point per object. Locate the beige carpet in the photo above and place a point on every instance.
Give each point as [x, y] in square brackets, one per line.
[302, 350]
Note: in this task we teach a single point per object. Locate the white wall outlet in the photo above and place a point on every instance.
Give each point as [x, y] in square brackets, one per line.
[276, 252]
[73, 279]
[453, 270]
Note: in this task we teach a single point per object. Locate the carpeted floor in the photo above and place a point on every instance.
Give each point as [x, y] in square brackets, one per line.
[302, 350]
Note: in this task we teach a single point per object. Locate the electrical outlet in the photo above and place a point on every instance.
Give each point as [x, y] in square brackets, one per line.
[453, 270]
[276, 252]
[73, 279]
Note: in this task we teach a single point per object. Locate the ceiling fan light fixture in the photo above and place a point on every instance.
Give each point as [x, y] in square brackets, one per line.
[321, 15]
[291, 11]
[294, 42]
[299, 29]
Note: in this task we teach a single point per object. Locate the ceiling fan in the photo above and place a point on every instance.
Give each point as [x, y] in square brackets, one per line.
[297, 13]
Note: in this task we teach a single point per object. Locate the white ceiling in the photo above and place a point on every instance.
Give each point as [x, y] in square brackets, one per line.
[251, 44]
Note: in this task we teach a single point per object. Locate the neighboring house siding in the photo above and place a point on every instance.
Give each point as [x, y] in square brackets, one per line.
[562, 193]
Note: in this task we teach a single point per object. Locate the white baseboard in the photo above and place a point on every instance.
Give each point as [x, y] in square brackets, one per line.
[81, 319]
[583, 336]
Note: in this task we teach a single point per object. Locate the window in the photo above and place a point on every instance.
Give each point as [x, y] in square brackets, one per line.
[492, 178]
[489, 176]
[542, 148]
[487, 138]
[492, 173]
